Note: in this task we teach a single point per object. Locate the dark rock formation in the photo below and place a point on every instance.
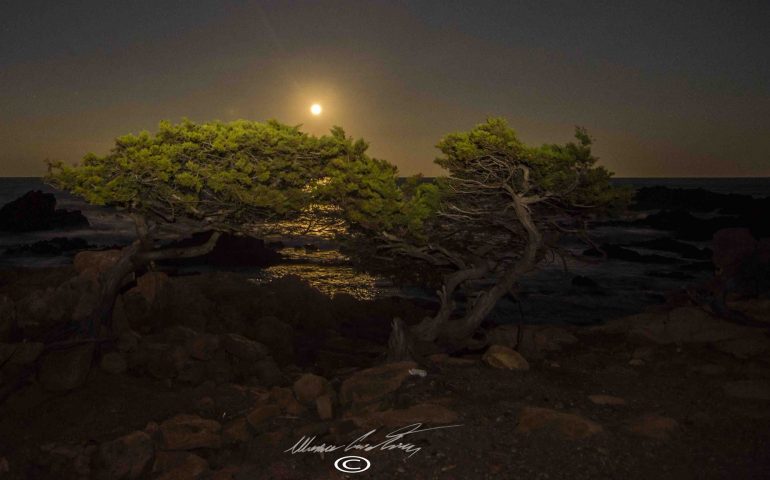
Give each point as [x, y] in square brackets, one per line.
[36, 210]
[685, 250]
[230, 251]
[616, 252]
[55, 246]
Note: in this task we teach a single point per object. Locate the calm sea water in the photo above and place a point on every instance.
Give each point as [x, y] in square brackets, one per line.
[549, 296]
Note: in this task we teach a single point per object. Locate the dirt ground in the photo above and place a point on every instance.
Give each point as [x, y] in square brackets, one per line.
[707, 434]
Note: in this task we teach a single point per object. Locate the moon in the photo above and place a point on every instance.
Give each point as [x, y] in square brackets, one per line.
[316, 109]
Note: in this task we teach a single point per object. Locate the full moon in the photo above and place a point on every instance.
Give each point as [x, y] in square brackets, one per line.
[315, 109]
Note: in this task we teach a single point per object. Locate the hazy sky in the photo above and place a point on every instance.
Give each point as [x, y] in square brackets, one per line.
[667, 88]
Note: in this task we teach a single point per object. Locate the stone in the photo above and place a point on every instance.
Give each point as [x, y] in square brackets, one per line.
[606, 400]
[502, 357]
[94, 263]
[653, 426]
[113, 362]
[166, 361]
[36, 210]
[748, 389]
[284, 398]
[567, 425]
[188, 432]
[203, 346]
[237, 431]
[243, 348]
[179, 466]
[425, 413]
[323, 406]
[308, 387]
[63, 370]
[128, 341]
[636, 362]
[23, 353]
[371, 384]
[279, 335]
[127, 456]
[268, 372]
[262, 413]
[149, 285]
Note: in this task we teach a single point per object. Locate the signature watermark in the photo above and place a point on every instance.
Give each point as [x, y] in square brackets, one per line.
[354, 464]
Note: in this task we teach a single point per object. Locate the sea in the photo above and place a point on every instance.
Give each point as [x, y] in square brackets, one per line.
[548, 296]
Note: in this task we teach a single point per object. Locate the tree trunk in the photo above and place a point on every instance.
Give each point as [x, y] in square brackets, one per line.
[463, 329]
[133, 258]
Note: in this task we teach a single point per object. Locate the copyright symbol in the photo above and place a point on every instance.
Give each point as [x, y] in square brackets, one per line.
[352, 464]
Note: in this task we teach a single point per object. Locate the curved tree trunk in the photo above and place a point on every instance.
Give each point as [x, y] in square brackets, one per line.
[464, 328]
[133, 258]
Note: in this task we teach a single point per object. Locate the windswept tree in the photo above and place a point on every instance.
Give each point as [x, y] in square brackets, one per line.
[499, 213]
[240, 177]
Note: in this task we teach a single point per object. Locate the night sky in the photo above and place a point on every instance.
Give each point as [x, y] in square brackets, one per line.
[666, 88]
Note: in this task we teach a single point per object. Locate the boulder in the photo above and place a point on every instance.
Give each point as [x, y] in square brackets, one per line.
[324, 406]
[179, 466]
[308, 387]
[367, 386]
[261, 414]
[243, 348]
[499, 356]
[188, 432]
[279, 335]
[268, 373]
[36, 210]
[62, 370]
[127, 456]
[113, 362]
[203, 346]
[284, 398]
[237, 431]
[150, 284]
[567, 425]
[744, 348]
[95, 263]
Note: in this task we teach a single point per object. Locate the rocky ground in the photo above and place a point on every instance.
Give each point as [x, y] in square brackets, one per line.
[214, 377]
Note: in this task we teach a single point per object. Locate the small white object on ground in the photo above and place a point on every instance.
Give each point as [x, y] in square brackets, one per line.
[418, 372]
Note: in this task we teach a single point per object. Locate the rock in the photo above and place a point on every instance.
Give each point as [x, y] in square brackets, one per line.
[323, 405]
[203, 346]
[636, 362]
[150, 284]
[370, 385]
[127, 456]
[53, 247]
[36, 210]
[617, 252]
[262, 413]
[284, 398]
[568, 425]
[166, 361]
[680, 325]
[237, 431]
[128, 341]
[308, 387]
[268, 373]
[243, 348]
[113, 362]
[499, 356]
[279, 335]
[732, 247]
[532, 341]
[23, 353]
[653, 426]
[425, 413]
[95, 263]
[748, 389]
[606, 400]
[188, 432]
[66, 369]
[179, 466]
